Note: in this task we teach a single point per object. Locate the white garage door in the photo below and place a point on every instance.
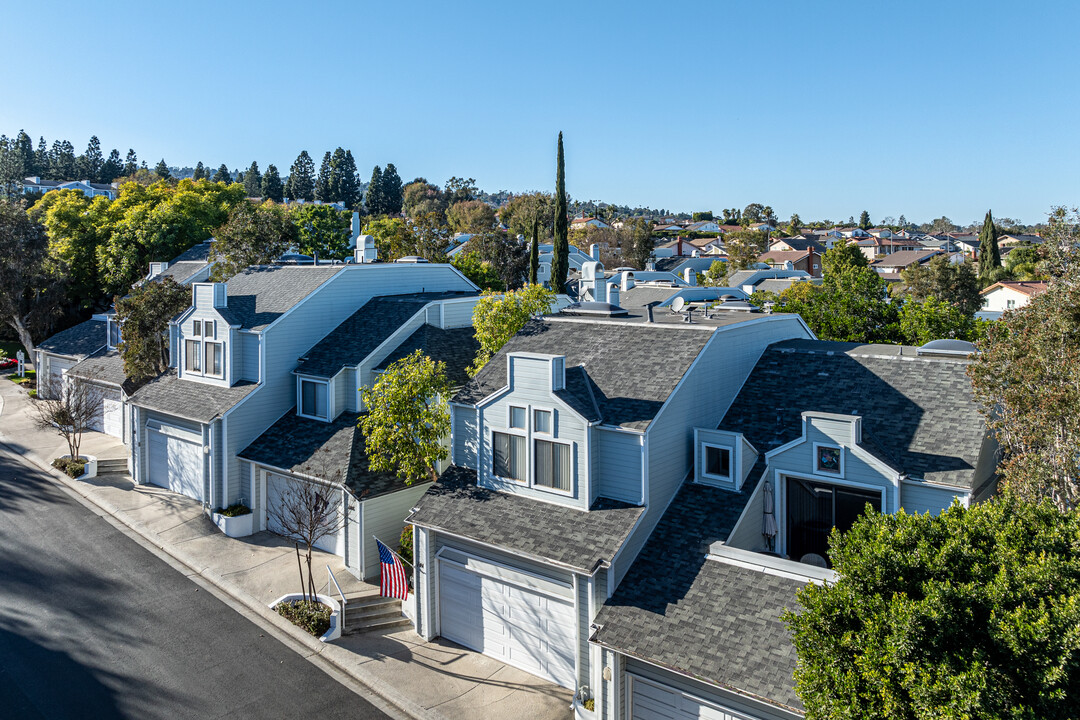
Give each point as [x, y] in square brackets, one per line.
[519, 626]
[652, 701]
[57, 368]
[109, 419]
[276, 486]
[175, 462]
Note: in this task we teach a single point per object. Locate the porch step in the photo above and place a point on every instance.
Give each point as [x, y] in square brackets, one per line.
[366, 613]
[112, 466]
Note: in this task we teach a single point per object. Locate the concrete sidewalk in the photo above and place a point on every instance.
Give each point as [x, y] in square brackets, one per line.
[437, 680]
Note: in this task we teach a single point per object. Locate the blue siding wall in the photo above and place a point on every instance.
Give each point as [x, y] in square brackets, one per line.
[295, 333]
[464, 436]
[919, 498]
[701, 400]
[618, 465]
[249, 356]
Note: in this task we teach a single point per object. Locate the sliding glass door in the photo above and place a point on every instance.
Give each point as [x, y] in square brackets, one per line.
[814, 508]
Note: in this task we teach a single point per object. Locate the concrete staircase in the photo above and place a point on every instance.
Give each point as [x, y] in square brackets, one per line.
[105, 467]
[366, 613]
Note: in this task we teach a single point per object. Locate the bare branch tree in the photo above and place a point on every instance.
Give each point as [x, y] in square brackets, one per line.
[309, 509]
[74, 405]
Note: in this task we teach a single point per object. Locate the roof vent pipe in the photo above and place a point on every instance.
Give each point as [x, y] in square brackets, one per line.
[649, 309]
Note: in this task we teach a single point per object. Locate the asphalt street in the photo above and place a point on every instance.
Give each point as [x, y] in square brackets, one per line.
[92, 625]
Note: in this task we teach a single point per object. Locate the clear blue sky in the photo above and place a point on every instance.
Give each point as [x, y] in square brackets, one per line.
[823, 108]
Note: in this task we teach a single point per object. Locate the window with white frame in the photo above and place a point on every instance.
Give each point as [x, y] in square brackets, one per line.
[716, 462]
[193, 356]
[552, 464]
[213, 365]
[542, 421]
[517, 417]
[508, 456]
[313, 399]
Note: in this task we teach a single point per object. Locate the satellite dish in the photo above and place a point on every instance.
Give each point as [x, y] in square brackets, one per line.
[678, 304]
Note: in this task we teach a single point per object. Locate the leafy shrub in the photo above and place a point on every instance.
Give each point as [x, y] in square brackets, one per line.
[32, 393]
[314, 617]
[235, 510]
[407, 543]
[73, 468]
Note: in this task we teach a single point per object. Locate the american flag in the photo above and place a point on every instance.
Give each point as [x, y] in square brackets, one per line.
[394, 583]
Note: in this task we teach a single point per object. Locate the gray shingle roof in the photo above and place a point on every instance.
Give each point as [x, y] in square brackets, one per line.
[457, 347]
[331, 451]
[633, 367]
[261, 294]
[103, 366]
[78, 341]
[904, 258]
[200, 253]
[563, 535]
[706, 619]
[363, 331]
[188, 399]
[919, 410]
[182, 271]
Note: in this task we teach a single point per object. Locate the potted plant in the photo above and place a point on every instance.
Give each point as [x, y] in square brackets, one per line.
[236, 521]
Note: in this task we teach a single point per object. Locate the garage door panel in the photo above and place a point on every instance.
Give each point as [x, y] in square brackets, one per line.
[175, 464]
[652, 701]
[516, 625]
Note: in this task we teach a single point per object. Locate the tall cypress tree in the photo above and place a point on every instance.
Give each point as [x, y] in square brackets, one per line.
[23, 147]
[200, 172]
[41, 157]
[989, 253]
[560, 256]
[393, 190]
[90, 162]
[162, 170]
[301, 182]
[375, 199]
[344, 185]
[322, 183]
[271, 184]
[253, 181]
[534, 252]
[131, 163]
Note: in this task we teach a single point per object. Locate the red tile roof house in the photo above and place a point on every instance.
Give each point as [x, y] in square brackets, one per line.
[1008, 295]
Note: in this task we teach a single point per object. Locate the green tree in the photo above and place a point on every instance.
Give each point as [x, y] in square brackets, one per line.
[31, 286]
[744, 247]
[393, 239]
[62, 162]
[795, 224]
[1026, 377]
[162, 170]
[111, 168]
[253, 182]
[932, 319]
[374, 201]
[639, 247]
[41, 157]
[200, 172]
[864, 220]
[497, 318]
[407, 419]
[519, 212]
[344, 184]
[323, 230]
[478, 270]
[131, 163]
[989, 253]
[716, 274]
[504, 254]
[301, 182]
[322, 182]
[954, 283]
[702, 215]
[460, 189]
[253, 235]
[91, 161]
[471, 216]
[844, 254]
[534, 252]
[560, 256]
[75, 225]
[969, 614]
[222, 175]
[158, 222]
[421, 197]
[753, 213]
[272, 188]
[392, 190]
[144, 315]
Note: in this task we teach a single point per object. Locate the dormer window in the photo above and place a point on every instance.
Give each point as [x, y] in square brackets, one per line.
[552, 465]
[203, 355]
[531, 454]
[313, 399]
[718, 462]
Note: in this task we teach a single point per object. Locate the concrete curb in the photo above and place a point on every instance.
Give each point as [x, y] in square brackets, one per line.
[329, 658]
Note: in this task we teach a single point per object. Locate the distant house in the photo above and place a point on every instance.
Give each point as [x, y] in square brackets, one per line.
[704, 226]
[762, 227]
[1009, 240]
[799, 242]
[890, 266]
[582, 222]
[875, 247]
[1008, 295]
[880, 232]
[693, 247]
[90, 189]
[809, 261]
[750, 280]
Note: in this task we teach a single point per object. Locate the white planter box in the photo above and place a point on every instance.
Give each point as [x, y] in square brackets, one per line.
[335, 616]
[235, 527]
[580, 713]
[90, 470]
